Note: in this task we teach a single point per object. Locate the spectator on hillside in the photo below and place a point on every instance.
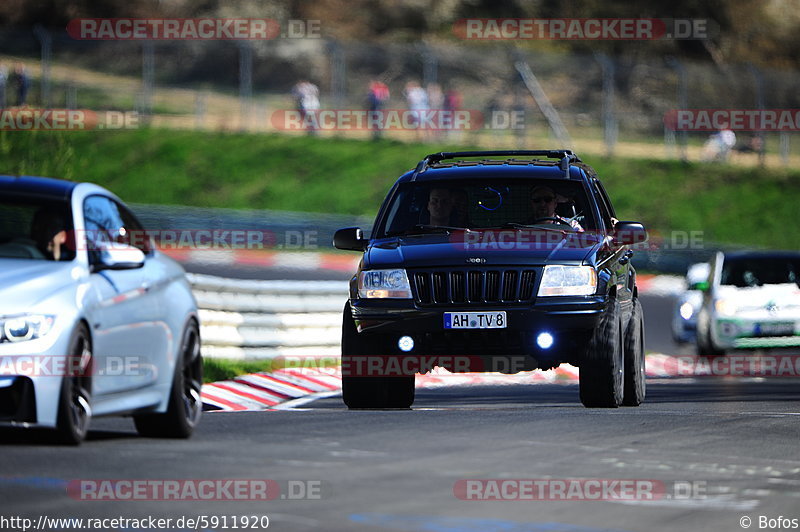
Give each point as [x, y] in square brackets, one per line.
[417, 100]
[377, 97]
[21, 83]
[3, 79]
[306, 96]
[719, 145]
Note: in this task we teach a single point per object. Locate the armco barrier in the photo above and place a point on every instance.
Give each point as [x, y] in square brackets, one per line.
[265, 319]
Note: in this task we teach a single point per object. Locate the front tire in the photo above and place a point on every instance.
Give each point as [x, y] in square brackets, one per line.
[360, 392]
[185, 404]
[635, 377]
[705, 346]
[601, 370]
[74, 405]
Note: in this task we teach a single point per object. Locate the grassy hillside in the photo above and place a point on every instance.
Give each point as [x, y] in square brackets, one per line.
[734, 205]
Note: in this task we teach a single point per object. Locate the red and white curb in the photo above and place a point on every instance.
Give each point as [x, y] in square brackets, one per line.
[286, 388]
[280, 260]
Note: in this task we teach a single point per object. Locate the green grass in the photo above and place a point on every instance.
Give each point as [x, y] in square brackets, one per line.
[220, 369]
[730, 204]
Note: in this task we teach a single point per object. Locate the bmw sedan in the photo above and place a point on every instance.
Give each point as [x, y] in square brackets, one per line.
[94, 321]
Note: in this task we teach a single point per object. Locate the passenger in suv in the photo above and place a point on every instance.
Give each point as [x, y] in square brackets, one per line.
[496, 294]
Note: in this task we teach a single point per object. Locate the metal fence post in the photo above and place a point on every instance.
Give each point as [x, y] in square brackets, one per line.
[46, 43]
[430, 65]
[759, 85]
[683, 102]
[610, 125]
[338, 73]
[148, 79]
[245, 84]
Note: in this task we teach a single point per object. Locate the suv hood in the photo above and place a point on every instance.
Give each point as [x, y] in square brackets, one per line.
[25, 283]
[486, 248]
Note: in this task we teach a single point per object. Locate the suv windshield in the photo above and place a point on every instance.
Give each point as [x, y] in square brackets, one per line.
[436, 206]
[746, 272]
[39, 229]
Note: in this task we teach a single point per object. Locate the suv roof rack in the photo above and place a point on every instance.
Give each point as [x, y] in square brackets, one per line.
[566, 157]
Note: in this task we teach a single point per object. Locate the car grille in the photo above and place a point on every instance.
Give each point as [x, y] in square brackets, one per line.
[440, 287]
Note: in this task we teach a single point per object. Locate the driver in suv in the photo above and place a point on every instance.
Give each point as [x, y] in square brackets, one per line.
[544, 201]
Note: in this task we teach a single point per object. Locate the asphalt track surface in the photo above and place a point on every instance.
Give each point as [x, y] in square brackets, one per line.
[705, 453]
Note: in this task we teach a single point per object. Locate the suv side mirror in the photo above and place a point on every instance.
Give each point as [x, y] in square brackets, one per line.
[113, 256]
[629, 233]
[350, 238]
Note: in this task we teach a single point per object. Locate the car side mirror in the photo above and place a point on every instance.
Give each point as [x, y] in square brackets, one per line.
[702, 286]
[350, 238]
[629, 233]
[114, 256]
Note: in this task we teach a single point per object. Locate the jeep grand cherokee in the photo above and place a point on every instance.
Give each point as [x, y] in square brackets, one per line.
[494, 261]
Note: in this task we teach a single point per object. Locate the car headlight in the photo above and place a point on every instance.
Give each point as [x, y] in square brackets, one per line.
[26, 327]
[391, 284]
[568, 281]
[687, 310]
[726, 307]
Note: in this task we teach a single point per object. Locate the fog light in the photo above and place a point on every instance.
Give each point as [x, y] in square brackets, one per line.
[405, 343]
[544, 340]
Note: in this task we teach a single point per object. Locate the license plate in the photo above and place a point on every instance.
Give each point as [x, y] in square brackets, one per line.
[774, 329]
[475, 320]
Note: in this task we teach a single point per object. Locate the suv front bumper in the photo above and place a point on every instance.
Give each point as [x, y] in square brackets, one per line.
[570, 321]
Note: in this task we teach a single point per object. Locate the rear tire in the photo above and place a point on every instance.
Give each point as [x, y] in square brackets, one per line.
[369, 392]
[185, 405]
[601, 370]
[635, 376]
[74, 405]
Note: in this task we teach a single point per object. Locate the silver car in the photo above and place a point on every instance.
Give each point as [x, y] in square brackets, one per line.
[687, 305]
[93, 320]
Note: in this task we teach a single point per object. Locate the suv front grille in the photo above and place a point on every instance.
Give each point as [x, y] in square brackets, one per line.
[447, 287]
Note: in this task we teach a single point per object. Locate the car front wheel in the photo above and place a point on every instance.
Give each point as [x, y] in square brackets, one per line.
[185, 404]
[74, 407]
[601, 370]
[359, 392]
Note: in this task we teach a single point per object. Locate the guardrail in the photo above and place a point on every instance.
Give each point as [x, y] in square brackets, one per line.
[247, 319]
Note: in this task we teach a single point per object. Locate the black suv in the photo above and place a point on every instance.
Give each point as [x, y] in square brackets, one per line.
[494, 261]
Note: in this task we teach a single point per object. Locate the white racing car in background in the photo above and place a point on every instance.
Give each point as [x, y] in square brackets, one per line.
[752, 299]
[93, 320]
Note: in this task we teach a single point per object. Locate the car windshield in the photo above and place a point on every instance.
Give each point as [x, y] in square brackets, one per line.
[440, 206]
[34, 228]
[748, 272]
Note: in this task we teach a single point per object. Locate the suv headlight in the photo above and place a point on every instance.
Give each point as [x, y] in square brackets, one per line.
[568, 281]
[392, 284]
[26, 327]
